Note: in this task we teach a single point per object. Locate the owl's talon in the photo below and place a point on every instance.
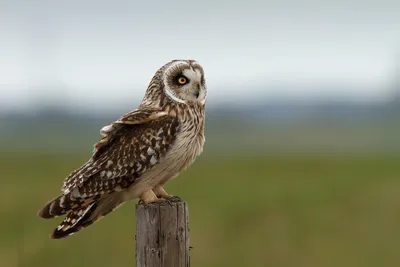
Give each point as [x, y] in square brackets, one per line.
[161, 193]
[169, 202]
[141, 202]
[175, 199]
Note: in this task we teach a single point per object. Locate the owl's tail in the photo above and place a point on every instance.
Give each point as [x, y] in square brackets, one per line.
[63, 204]
[86, 215]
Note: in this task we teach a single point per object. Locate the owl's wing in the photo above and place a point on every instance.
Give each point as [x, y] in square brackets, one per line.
[137, 116]
[130, 146]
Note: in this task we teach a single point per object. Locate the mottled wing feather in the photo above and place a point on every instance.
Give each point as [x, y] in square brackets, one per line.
[132, 150]
[137, 116]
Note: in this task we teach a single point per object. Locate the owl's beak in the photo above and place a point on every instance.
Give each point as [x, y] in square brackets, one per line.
[196, 90]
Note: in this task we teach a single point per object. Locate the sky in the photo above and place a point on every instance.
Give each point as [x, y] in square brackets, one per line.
[98, 53]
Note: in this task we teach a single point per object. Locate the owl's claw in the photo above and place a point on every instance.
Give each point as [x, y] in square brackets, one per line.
[141, 202]
[160, 201]
[174, 199]
[170, 200]
[161, 193]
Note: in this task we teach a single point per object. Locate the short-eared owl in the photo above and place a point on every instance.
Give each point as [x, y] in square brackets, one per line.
[138, 153]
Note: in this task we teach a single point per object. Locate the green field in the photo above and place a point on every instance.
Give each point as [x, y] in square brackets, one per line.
[260, 210]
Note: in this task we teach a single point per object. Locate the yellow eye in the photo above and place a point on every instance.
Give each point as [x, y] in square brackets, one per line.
[182, 80]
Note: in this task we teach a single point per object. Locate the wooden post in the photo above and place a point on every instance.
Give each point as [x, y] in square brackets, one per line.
[162, 235]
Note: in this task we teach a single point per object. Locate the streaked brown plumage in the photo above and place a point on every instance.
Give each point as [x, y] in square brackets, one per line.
[138, 153]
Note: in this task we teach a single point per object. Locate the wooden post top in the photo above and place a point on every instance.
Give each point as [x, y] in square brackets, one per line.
[162, 235]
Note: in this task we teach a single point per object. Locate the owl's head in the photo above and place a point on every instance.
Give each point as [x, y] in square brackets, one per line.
[180, 81]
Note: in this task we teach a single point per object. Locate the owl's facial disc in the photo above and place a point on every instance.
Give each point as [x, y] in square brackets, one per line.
[194, 88]
[186, 84]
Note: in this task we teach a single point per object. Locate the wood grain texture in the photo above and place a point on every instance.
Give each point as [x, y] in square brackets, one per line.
[162, 235]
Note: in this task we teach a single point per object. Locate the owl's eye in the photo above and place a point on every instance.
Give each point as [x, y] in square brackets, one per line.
[182, 80]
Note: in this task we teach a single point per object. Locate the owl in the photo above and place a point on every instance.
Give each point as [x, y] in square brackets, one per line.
[138, 153]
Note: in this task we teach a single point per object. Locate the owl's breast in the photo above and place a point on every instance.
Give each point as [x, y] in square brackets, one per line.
[187, 146]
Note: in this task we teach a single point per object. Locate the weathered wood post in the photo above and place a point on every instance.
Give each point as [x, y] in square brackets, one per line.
[162, 235]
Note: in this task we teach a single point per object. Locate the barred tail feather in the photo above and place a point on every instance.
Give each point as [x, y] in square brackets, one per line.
[81, 218]
[75, 221]
[62, 205]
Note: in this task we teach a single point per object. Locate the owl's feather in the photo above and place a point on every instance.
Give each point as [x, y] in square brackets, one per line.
[123, 156]
[86, 215]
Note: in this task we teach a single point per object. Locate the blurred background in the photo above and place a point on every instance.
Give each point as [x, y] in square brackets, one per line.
[301, 164]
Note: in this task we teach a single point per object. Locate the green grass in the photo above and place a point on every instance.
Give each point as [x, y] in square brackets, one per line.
[261, 210]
